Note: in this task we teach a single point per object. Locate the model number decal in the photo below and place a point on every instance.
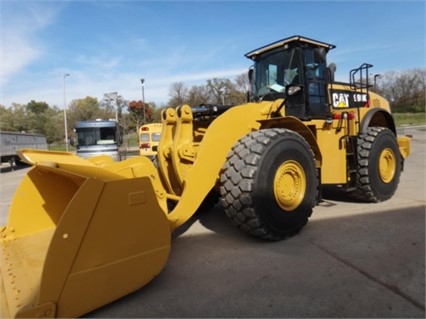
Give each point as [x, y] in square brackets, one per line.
[348, 99]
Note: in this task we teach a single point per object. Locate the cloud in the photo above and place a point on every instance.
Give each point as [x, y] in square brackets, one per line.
[20, 28]
[33, 64]
[204, 76]
[98, 61]
[49, 87]
[17, 52]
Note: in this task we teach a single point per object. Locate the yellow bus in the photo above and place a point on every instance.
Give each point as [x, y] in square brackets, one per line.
[149, 137]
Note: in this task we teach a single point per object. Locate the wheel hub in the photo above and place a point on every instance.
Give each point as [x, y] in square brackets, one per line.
[289, 185]
[387, 165]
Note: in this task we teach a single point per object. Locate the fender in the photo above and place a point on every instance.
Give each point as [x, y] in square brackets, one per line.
[377, 117]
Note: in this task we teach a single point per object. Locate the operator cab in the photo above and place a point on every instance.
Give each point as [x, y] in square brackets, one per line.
[294, 68]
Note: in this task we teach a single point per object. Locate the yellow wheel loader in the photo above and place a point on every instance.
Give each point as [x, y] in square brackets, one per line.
[83, 233]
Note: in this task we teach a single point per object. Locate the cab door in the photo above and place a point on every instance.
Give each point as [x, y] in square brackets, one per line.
[316, 82]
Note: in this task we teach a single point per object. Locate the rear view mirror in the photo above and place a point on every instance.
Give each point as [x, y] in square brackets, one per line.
[250, 73]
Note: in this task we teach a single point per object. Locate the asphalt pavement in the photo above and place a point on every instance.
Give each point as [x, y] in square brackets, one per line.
[351, 260]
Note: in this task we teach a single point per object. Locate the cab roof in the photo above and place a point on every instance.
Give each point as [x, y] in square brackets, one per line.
[293, 39]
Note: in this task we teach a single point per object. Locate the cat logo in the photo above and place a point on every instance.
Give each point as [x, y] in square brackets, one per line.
[340, 100]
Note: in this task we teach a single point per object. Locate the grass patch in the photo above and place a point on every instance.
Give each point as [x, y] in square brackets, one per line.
[60, 147]
[402, 119]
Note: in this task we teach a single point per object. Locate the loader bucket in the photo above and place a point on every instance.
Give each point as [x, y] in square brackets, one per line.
[79, 236]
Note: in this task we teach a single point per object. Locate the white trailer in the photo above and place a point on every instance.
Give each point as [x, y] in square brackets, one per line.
[12, 141]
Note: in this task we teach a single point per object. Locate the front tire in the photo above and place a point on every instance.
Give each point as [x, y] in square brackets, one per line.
[379, 165]
[269, 183]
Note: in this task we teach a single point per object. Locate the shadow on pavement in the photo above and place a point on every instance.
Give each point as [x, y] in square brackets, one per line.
[217, 271]
[5, 168]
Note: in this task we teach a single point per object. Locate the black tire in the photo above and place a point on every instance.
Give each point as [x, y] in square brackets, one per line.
[379, 165]
[209, 201]
[255, 178]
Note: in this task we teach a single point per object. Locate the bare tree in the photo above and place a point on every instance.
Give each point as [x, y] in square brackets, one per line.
[113, 103]
[198, 95]
[178, 93]
[219, 90]
[404, 90]
[242, 83]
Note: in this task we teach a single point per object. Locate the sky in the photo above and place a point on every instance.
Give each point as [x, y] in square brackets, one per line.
[108, 46]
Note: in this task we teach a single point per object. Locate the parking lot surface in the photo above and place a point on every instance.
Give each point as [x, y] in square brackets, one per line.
[351, 260]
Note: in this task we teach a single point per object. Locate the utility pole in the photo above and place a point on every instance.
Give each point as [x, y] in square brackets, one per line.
[143, 100]
[65, 112]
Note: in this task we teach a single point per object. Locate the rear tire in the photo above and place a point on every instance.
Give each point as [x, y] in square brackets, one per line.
[269, 183]
[379, 165]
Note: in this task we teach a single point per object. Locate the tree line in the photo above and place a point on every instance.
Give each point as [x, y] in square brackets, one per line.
[405, 92]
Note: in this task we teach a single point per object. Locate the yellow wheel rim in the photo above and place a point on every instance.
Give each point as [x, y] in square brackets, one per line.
[289, 185]
[387, 165]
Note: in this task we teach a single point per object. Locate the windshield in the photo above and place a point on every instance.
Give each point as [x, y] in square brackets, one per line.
[273, 71]
[156, 137]
[145, 137]
[95, 136]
